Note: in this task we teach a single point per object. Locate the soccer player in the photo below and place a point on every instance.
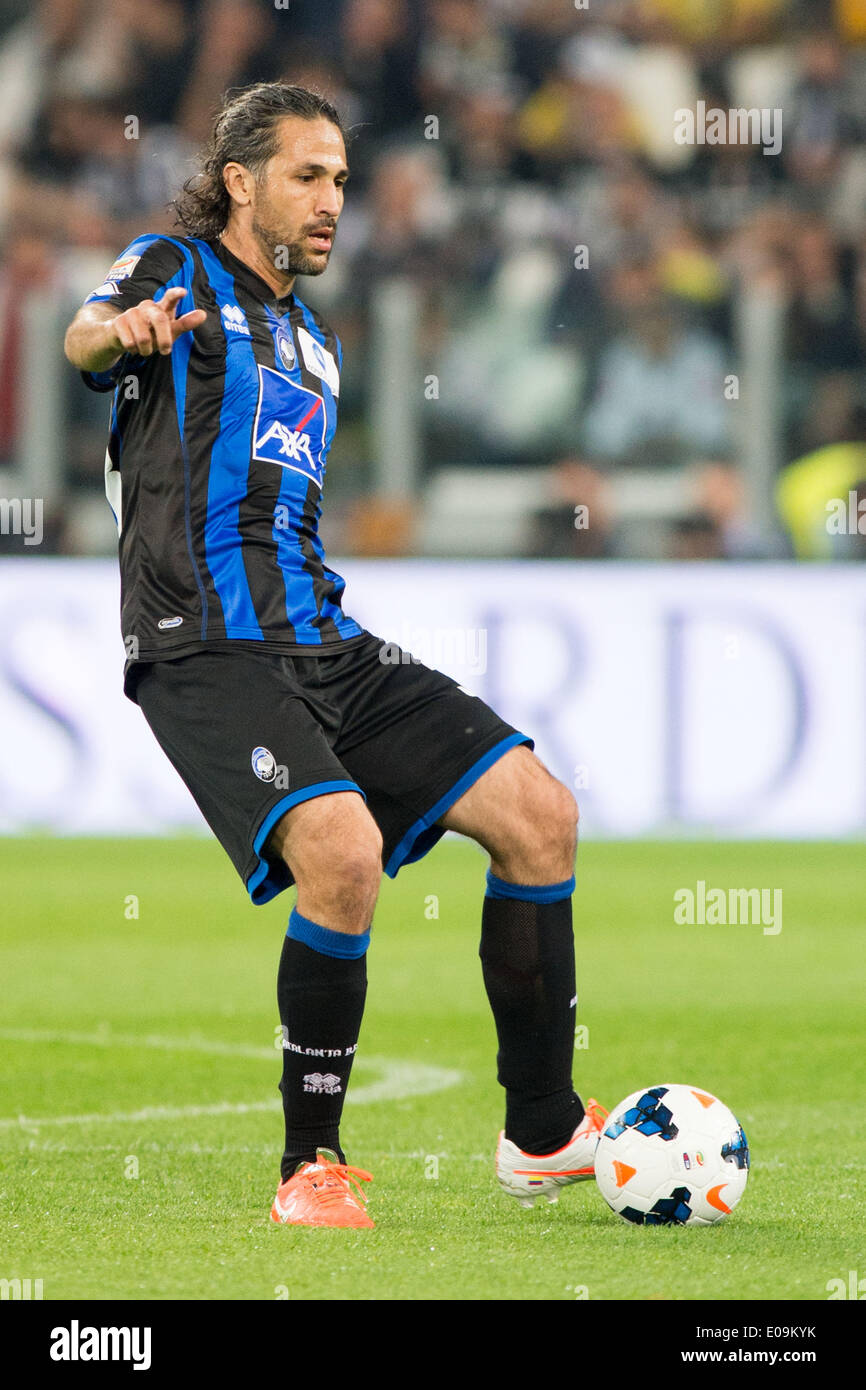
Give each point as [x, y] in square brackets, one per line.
[316, 758]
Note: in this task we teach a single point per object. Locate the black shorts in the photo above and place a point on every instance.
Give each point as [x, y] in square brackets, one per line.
[253, 733]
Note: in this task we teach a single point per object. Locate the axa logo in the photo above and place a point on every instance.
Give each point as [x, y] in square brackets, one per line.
[235, 320]
[290, 425]
[292, 444]
[327, 1084]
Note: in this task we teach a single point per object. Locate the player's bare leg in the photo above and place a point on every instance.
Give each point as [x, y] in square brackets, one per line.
[334, 850]
[523, 817]
[527, 821]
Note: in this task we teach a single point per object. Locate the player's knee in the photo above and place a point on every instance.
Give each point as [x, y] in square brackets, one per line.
[549, 828]
[355, 872]
[335, 856]
[562, 818]
[356, 864]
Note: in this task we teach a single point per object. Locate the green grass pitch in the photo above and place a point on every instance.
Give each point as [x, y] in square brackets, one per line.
[141, 1128]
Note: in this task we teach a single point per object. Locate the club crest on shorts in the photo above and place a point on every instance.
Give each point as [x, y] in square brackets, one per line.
[264, 764]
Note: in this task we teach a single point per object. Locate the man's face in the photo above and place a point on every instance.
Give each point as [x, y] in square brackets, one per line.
[299, 196]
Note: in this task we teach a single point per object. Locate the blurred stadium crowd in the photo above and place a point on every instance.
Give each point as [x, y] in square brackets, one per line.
[580, 276]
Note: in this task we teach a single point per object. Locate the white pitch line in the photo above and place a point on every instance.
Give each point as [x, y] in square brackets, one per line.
[398, 1080]
[105, 1038]
[150, 1112]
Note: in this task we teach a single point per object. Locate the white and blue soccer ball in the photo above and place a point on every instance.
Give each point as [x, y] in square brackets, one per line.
[672, 1156]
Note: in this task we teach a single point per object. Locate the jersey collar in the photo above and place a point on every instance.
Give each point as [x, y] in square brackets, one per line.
[249, 279]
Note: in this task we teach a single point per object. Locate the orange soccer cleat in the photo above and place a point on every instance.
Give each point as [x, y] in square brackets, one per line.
[324, 1193]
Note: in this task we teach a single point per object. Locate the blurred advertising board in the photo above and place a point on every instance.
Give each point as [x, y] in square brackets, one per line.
[723, 700]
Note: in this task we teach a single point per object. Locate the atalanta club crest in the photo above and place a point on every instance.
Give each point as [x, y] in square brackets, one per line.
[286, 347]
[264, 764]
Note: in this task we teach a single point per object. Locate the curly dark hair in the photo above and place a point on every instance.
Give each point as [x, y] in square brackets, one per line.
[245, 130]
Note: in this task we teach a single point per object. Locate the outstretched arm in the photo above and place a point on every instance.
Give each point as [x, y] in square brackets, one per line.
[100, 334]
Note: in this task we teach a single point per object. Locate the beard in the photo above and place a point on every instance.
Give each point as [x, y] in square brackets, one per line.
[290, 257]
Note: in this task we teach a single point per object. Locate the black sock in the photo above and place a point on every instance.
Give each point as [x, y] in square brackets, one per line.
[527, 956]
[321, 1002]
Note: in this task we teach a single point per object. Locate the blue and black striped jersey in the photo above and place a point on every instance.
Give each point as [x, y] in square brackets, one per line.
[216, 461]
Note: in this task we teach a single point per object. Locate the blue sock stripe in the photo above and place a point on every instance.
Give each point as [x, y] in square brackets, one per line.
[529, 893]
[328, 943]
